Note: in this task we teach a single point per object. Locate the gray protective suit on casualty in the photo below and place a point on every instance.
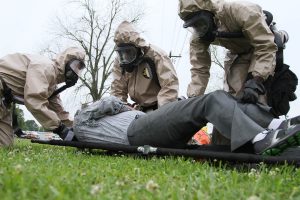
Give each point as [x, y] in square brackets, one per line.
[255, 53]
[140, 86]
[34, 78]
[106, 120]
[110, 121]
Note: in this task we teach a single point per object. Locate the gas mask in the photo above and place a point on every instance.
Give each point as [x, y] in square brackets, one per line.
[128, 56]
[203, 24]
[73, 70]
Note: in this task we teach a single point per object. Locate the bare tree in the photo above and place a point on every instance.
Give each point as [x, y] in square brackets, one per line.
[217, 69]
[216, 56]
[94, 32]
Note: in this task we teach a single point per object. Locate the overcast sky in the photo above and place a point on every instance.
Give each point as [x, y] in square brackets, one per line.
[26, 26]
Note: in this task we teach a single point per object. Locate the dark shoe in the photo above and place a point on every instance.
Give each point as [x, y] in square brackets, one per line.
[278, 140]
[289, 122]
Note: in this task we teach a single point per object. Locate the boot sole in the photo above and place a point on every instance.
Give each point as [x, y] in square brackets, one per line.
[282, 146]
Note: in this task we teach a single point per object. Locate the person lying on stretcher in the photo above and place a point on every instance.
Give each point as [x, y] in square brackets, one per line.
[250, 128]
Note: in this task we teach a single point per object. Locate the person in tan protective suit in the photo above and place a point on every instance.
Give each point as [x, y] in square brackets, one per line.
[142, 70]
[34, 78]
[241, 28]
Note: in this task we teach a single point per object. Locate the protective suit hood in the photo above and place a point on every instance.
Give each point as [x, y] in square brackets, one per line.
[186, 7]
[64, 57]
[126, 33]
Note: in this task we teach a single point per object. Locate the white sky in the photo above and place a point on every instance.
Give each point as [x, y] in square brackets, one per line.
[26, 26]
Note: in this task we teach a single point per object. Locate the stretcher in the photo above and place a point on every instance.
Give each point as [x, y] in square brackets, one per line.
[206, 152]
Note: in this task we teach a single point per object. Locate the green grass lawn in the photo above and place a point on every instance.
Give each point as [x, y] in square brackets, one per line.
[34, 171]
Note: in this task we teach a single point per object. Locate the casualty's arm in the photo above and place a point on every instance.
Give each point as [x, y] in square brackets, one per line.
[119, 85]
[201, 62]
[106, 106]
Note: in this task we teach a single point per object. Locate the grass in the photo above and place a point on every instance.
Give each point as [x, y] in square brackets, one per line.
[33, 171]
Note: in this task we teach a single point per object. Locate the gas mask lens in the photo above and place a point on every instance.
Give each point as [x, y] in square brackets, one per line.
[77, 66]
[127, 54]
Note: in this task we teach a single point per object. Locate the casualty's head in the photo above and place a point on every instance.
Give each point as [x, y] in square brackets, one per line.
[71, 63]
[199, 15]
[130, 46]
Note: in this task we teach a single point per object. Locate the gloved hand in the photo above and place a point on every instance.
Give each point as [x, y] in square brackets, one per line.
[253, 88]
[64, 132]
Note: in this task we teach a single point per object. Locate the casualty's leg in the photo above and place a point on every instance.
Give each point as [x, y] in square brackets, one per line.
[175, 123]
[233, 64]
[172, 125]
[237, 122]
[236, 72]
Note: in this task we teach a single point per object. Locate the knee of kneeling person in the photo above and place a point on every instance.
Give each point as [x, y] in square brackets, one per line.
[6, 140]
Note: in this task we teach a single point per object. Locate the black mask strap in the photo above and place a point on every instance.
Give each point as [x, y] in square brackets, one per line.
[229, 34]
[57, 91]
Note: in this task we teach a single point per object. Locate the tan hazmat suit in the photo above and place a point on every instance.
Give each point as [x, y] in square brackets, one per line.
[139, 84]
[34, 78]
[255, 53]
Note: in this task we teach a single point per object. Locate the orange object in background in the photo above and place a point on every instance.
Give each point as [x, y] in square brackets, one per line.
[201, 137]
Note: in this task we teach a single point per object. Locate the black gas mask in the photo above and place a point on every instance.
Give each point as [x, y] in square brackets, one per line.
[128, 56]
[73, 70]
[203, 24]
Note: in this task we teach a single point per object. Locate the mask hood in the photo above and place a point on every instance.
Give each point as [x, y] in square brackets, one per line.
[126, 34]
[187, 7]
[64, 57]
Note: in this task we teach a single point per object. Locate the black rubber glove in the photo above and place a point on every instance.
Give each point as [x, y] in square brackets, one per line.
[64, 132]
[253, 88]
